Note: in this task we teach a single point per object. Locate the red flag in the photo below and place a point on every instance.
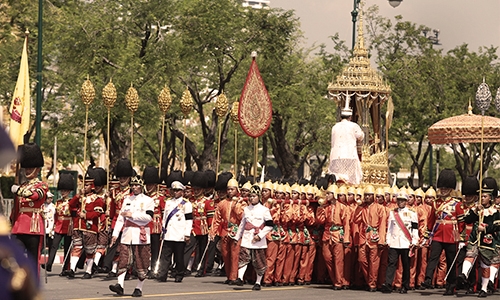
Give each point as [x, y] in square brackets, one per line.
[255, 111]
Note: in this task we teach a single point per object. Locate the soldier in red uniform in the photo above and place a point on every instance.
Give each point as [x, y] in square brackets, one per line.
[103, 233]
[444, 230]
[87, 208]
[199, 232]
[151, 180]
[124, 172]
[28, 226]
[63, 221]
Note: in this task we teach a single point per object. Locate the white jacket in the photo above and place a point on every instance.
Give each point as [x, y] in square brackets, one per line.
[395, 237]
[257, 215]
[181, 223]
[138, 205]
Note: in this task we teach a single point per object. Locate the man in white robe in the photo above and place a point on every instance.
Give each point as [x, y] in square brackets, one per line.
[344, 160]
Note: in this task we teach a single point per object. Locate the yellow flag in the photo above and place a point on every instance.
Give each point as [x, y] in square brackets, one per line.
[20, 108]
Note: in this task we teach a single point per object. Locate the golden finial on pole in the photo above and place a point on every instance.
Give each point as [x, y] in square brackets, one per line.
[164, 102]
[236, 121]
[221, 108]
[132, 103]
[186, 107]
[109, 99]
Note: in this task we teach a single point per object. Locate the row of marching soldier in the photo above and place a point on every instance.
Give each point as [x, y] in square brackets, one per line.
[395, 238]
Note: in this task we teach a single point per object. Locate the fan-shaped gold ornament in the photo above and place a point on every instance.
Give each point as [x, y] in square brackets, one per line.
[87, 93]
[186, 102]
[164, 99]
[222, 105]
[109, 94]
[234, 113]
[132, 99]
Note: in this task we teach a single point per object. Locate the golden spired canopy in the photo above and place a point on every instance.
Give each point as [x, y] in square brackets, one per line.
[365, 91]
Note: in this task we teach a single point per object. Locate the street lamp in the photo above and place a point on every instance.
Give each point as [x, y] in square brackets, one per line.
[395, 3]
[354, 14]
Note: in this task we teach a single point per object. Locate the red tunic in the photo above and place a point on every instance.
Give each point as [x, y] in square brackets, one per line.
[116, 204]
[201, 220]
[157, 223]
[93, 207]
[27, 213]
[443, 224]
[63, 217]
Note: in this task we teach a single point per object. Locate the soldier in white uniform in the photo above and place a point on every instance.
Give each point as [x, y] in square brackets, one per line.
[254, 226]
[177, 224]
[344, 160]
[134, 218]
[402, 236]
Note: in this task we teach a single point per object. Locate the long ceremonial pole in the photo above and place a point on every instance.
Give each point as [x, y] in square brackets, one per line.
[218, 149]
[161, 143]
[107, 148]
[255, 149]
[235, 152]
[132, 139]
[481, 213]
[38, 120]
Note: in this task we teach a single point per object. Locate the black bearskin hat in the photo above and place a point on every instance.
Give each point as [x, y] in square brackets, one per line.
[447, 179]
[186, 179]
[150, 175]
[470, 186]
[124, 168]
[66, 182]
[222, 181]
[199, 180]
[103, 177]
[30, 156]
[211, 178]
[93, 175]
[490, 186]
[322, 183]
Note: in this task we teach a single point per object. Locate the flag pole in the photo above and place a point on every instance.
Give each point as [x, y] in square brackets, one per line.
[38, 120]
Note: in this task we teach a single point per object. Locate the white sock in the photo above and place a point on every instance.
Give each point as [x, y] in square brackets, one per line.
[493, 273]
[484, 283]
[97, 257]
[73, 262]
[259, 278]
[241, 271]
[466, 267]
[140, 284]
[90, 263]
[114, 268]
[121, 279]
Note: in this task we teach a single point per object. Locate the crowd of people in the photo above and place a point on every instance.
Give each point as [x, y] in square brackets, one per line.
[273, 233]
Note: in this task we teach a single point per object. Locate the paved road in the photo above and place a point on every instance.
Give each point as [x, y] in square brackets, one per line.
[208, 288]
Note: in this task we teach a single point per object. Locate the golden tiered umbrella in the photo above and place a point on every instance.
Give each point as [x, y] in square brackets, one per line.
[164, 102]
[132, 103]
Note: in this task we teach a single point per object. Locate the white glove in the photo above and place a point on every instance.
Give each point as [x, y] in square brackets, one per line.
[14, 188]
[461, 245]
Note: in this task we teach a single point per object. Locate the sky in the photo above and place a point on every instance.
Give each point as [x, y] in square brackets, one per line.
[474, 22]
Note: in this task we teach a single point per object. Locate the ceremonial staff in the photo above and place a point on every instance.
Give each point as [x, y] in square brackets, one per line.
[87, 93]
[186, 107]
[164, 102]
[483, 101]
[236, 121]
[132, 103]
[221, 108]
[109, 99]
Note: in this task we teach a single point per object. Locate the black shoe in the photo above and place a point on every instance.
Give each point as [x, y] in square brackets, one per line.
[336, 288]
[268, 284]
[161, 279]
[307, 283]
[137, 293]
[64, 273]
[178, 279]
[199, 274]
[461, 280]
[86, 276]
[70, 274]
[449, 292]
[228, 281]
[187, 273]
[278, 284]
[111, 275]
[256, 287]
[426, 285]
[116, 288]
[371, 290]
[150, 275]
[403, 290]
[49, 267]
[491, 286]
[470, 291]
[102, 270]
[237, 282]
[386, 289]
[346, 287]
[482, 294]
